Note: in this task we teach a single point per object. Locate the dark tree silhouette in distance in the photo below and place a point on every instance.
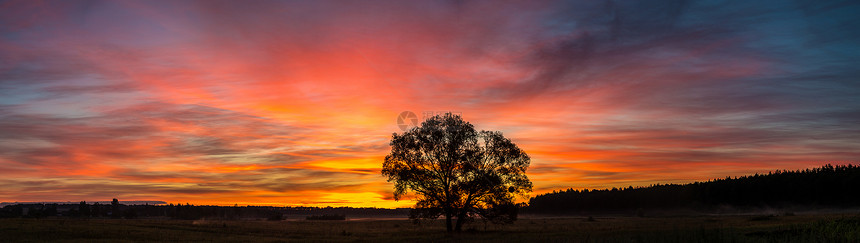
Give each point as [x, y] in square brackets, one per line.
[114, 209]
[84, 209]
[457, 172]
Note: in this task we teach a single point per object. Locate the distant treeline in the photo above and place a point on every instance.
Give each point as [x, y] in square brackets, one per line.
[825, 187]
[187, 211]
[828, 186]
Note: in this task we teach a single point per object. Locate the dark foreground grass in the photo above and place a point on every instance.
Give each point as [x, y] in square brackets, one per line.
[801, 228]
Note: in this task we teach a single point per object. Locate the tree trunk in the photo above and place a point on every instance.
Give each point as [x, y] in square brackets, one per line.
[448, 221]
[461, 218]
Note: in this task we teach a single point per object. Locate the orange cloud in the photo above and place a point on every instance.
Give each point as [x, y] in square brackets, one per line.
[294, 103]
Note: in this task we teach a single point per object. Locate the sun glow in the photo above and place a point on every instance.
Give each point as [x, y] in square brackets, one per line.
[294, 103]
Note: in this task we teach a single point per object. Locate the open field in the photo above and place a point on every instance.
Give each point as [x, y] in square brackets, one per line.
[800, 228]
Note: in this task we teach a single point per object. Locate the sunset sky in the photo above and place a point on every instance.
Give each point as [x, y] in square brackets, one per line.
[294, 102]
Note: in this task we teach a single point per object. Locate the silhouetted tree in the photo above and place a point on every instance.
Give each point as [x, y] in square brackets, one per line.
[114, 209]
[84, 209]
[456, 171]
[96, 209]
[130, 213]
[50, 210]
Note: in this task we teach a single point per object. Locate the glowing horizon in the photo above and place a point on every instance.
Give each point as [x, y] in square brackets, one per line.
[260, 103]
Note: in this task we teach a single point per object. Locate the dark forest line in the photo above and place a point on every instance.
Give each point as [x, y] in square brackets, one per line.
[819, 188]
[188, 211]
[825, 187]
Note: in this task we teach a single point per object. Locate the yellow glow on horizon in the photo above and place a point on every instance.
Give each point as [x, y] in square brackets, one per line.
[361, 199]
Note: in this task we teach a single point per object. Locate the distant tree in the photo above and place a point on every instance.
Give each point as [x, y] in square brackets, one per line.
[457, 172]
[114, 209]
[84, 209]
[96, 209]
[35, 212]
[129, 213]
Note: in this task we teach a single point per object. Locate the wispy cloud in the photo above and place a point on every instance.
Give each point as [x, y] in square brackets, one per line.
[294, 102]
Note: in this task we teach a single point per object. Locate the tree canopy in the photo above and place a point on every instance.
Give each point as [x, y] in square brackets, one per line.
[457, 172]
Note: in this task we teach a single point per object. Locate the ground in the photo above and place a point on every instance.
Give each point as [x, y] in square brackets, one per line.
[746, 228]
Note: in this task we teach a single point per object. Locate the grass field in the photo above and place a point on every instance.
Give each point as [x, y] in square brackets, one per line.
[800, 228]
